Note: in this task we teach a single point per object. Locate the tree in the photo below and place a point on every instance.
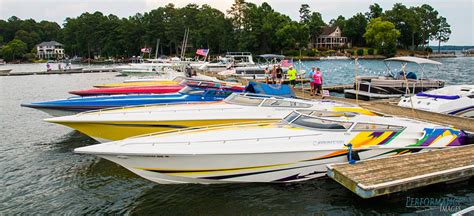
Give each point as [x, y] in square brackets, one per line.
[14, 48]
[375, 11]
[407, 22]
[383, 35]
[304, 13]
[340, 21]
[355, 28]
[428, 22]
[315, 25]
[444, 31]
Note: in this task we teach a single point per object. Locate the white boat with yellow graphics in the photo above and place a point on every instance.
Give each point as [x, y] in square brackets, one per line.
[297, 148]
[121, 123]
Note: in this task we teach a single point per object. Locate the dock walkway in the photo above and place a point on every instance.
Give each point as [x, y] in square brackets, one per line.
[378, 177]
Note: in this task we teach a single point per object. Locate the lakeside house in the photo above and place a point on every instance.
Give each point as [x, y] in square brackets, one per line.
[50, 50]
[330, 38]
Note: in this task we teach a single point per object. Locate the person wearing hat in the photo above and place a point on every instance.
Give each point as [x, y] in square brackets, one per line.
[291, 74]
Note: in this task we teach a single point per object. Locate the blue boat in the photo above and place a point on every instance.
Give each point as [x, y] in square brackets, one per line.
[76, 105]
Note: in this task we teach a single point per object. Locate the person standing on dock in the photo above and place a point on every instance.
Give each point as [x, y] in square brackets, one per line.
[311, 81]
[292, 76]
[267, 75]
[274, 74]
[318, 82]
[279, 74]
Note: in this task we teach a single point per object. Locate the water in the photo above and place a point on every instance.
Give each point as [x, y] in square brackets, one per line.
[42, 175]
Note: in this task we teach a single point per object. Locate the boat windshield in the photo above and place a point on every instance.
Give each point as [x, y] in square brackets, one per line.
[192, 91]
[243, 100]
[179, 79]
[376, 127]
[284, 103]
[319, 123]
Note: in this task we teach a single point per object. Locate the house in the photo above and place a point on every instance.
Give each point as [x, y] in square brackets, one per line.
[330, 38]
[50, 50]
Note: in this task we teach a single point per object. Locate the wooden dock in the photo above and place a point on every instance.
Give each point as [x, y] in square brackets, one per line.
[378, 177]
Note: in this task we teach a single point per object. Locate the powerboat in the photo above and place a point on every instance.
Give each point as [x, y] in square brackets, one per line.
[5, 71]
[76, 105]
[159, 89]
[146, 83]
[121, 123]
[395, 84]
[455, 100]
[296, 149]
[255, 71]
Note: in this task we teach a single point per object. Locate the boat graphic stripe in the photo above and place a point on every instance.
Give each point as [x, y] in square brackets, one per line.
[211, 170]
[148, 125]
[223, 177]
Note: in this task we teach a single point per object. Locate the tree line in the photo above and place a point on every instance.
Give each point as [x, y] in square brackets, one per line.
[244, 27]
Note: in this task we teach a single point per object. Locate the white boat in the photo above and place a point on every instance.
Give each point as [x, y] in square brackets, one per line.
[5, 71]
[121, 123]
[296, 149]
[334, 58]
[452, 100]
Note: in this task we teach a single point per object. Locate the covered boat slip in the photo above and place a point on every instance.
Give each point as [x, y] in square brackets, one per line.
[382, 176]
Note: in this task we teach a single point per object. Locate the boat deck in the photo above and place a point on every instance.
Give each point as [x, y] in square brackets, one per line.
[378, 177]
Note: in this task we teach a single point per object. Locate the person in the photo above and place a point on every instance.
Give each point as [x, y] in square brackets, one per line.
[189, 71]
[60, 67]
[311, 81]
[274, 74]
[279, 74]
[48, 67]
[267, 75]
[291, 74]
[318, 82]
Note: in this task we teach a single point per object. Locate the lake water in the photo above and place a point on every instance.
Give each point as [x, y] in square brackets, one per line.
[42, 175]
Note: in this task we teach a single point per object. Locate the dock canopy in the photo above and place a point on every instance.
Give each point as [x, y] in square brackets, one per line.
[270, 89]
[414, 60]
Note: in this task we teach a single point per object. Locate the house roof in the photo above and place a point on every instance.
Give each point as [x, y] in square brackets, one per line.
[50, 43]
[328, 30]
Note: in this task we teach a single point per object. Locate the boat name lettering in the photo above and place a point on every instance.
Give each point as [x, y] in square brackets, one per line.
[325, 142]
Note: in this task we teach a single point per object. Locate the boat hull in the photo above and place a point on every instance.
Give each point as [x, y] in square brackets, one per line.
[129, 90]
[110, 131]
[242, 168]
[128, 84]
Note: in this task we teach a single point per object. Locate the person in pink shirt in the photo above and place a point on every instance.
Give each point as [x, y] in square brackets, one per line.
[318, 82]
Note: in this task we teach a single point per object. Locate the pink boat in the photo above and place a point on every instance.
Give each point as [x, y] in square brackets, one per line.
[160, 89]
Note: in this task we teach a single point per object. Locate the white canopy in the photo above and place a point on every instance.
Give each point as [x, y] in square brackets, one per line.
[414, 60]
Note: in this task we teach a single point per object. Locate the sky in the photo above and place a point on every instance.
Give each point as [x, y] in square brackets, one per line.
[459, 13]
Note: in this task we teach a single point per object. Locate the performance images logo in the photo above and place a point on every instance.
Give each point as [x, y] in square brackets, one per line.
[444, 204]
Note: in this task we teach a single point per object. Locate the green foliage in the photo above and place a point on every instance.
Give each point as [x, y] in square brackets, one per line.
[428, 49]
[360, 52]
[444, 31]
[245, 27]
[304, 13]
[29, 56]
[370, 51]
[292, 53]
[311, 53]
[339, 21]
[383, 35]
[354, 29]
[13, 49]
[375, 11]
